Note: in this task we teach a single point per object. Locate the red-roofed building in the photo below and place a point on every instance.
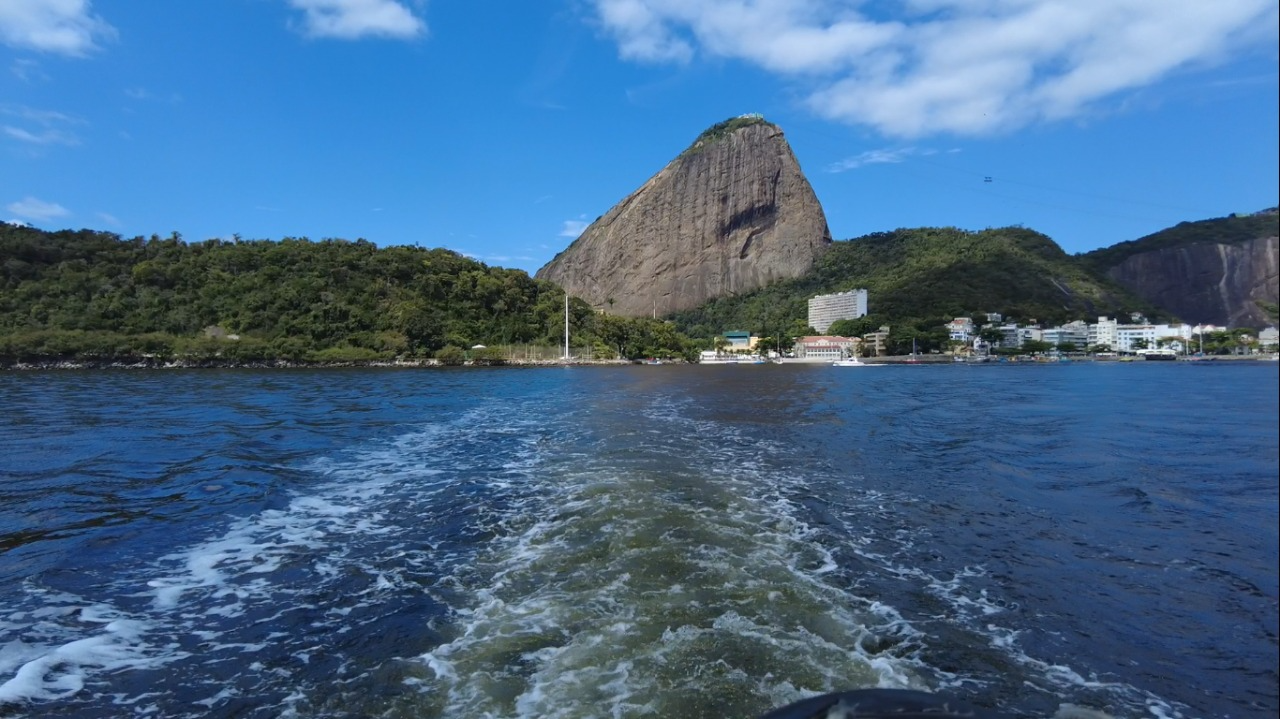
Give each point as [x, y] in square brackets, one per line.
[826, 347]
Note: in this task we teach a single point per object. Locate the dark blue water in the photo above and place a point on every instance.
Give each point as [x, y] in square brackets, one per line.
[641, 541]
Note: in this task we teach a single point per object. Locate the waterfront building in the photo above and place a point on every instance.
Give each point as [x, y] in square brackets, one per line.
[1103, 334]
[827, 309]
[877, 339]
[1010, 338]
[826, 347]
[1269, 338]
[1073, 333]
[960, 329]
[1133, 337]
[1029, 334]
[739, 339]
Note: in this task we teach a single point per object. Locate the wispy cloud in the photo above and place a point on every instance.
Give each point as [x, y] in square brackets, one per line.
[63, 27]
[884, 155]
[44, 137]
[44, 127]
[573, 228]
[355, 19]
[142, 94]
[109, 219]
[968, 67]
[27, 70]
[32, 208]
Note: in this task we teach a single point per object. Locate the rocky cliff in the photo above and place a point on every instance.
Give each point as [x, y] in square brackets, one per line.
[1214, 283]
[1212, 271]
[730, 214]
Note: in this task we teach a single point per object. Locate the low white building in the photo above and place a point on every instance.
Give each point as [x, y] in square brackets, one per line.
[1029, 334]
[1073, 333]
[1134, 337]
[1014, 336]
[1130, 338]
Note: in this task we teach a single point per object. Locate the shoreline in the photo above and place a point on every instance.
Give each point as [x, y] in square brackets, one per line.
[158, 364]
[155, 364]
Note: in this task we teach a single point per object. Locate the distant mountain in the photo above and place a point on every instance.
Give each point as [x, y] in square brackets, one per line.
[730, 214]
[925, 276]
[1221, 271]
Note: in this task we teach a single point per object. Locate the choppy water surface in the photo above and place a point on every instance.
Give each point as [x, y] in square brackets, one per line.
[637, 542]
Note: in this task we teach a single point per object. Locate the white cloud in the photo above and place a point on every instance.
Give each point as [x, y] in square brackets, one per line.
[968, 67]
[881, 156]
[65, 27]
[353, 19]
[50, 130]
[34, 209]
[44, 137]
[573, 228]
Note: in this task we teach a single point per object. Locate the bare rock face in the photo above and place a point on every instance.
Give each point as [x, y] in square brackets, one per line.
[730, 214]
[1214, 283]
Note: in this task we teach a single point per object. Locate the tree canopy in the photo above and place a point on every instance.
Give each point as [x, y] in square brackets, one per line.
[93, 294]
[919, 279]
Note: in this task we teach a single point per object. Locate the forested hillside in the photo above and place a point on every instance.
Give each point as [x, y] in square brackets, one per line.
[1231, 230]
[89, 294]
[918, 279]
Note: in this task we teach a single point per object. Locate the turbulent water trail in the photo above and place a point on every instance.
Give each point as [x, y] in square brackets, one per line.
[662, 573]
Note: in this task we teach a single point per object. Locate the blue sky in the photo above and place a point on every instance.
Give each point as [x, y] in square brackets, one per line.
[499, 128]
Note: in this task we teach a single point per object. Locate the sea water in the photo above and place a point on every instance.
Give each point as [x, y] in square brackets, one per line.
[649, 541]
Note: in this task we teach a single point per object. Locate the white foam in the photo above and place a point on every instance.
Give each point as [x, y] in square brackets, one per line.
[59, 671]
[563, 617]
[201, 593]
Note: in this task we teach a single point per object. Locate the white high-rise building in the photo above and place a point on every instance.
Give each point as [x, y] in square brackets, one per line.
[826, 309]
[1103, 334]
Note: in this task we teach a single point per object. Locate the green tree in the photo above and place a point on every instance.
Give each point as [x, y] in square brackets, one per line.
[991, 334]
[451, 356]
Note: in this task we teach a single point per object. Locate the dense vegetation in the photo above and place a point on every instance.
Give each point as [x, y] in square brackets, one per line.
[92, 295]
[721, 130]
[919, 279]
[89, 295]
[1229, 230]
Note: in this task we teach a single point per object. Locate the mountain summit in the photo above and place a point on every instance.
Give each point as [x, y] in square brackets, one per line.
[730, 214]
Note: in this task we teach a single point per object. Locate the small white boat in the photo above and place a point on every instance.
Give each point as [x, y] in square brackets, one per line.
[850, 362]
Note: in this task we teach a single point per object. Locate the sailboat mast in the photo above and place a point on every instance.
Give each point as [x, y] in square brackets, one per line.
[566, 325]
